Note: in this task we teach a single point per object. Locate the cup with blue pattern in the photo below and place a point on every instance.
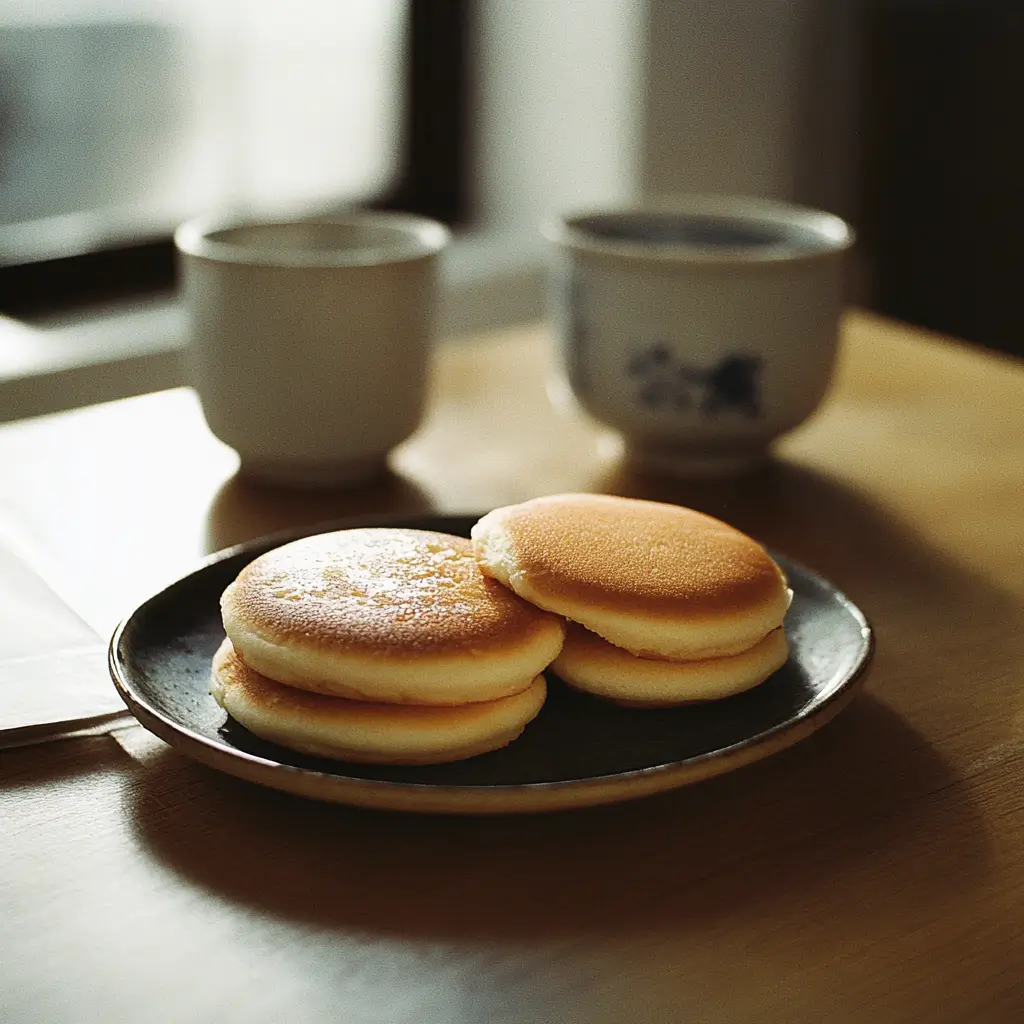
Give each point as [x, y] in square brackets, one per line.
[701, 330]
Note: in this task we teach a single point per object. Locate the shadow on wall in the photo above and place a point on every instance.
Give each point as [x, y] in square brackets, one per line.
[943, 211]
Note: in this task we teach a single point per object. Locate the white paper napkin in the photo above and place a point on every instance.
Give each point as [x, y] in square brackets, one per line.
[52, 665]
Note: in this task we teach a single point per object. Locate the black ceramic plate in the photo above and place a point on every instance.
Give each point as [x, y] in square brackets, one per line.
[578, 751]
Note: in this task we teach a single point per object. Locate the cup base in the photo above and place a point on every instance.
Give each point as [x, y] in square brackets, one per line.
[344, 473]
[694, 465]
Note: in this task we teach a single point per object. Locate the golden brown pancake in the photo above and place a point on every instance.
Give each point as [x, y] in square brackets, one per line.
[658, 580]
[589, 663]
[324, 726]
[387, 615]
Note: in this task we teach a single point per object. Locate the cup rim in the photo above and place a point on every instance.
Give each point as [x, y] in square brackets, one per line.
[421, 238]
[831, 233]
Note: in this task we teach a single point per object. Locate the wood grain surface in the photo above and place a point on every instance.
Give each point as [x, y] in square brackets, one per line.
[874, 872]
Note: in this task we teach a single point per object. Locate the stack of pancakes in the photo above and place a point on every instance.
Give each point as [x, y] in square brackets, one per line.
[381, 645]
[412, 647]
[667, 605]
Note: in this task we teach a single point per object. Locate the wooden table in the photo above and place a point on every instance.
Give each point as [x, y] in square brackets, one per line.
[873, 873]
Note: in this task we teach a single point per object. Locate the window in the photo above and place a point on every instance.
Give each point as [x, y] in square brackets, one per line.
[120, 118]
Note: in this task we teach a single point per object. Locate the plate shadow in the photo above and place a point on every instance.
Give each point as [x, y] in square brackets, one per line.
[865, 790]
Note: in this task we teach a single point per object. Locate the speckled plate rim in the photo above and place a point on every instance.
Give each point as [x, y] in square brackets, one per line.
[430, 798]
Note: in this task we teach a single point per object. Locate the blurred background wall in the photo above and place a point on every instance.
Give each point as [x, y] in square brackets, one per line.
[118, 118]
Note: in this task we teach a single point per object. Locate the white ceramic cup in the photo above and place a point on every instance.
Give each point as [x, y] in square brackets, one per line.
[310, 340]
[702, 330]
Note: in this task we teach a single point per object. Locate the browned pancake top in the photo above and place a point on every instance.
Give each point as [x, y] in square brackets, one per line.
[630, 555]
[377, 589]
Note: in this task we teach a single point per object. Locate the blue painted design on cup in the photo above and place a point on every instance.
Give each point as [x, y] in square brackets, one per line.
[664, 382]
